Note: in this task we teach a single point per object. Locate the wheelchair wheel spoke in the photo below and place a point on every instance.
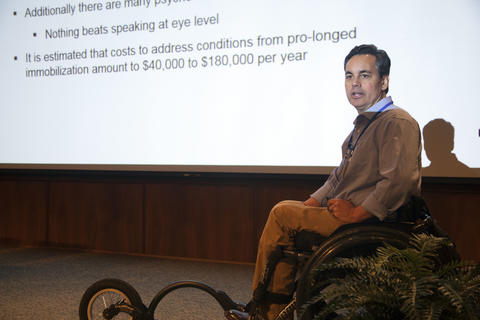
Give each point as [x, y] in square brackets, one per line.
[105, 300]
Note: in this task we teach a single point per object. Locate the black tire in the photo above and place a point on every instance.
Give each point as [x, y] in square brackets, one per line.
[104, 293]
[351, 242]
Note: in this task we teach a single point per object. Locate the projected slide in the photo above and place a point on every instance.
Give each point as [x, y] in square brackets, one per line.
[235, 86]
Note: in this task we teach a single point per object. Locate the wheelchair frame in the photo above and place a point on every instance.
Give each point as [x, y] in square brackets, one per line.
[345, 241]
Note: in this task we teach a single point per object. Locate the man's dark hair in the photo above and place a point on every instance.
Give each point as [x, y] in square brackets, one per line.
[382, 61]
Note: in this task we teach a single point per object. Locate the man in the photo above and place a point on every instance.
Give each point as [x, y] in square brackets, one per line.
[380, 171]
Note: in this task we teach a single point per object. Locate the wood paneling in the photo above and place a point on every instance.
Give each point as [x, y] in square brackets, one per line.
[102, 216]
[213, 219]
[457, 210]
[23, 212]
[218, 217]
[209, 221]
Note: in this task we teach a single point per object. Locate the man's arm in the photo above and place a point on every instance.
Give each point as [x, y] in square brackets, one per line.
[399, 166]
[311, 202]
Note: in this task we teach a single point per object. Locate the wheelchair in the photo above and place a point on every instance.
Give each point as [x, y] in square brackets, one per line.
[116, 299]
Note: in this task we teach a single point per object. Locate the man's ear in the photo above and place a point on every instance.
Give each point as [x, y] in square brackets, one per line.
[385, 82]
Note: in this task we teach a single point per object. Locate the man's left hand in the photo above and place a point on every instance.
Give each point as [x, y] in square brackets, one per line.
[345, 211]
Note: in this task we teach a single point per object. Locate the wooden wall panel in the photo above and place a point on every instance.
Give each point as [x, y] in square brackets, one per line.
[23, 212]
[101, 216]
[458, 213]
[208, 221]
[218, 217]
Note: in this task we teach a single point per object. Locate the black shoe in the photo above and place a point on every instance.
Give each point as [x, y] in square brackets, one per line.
[241, 307]
[236, 315]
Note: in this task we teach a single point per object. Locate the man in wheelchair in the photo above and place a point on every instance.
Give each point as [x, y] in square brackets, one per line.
[379, 173]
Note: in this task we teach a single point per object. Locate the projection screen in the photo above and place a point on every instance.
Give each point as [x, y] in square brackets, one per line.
[227, 86]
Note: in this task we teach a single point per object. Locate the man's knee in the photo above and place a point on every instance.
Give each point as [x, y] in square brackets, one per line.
[285, 207]
[282, 204]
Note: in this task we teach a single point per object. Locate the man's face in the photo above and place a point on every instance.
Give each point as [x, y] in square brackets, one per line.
[363, 84]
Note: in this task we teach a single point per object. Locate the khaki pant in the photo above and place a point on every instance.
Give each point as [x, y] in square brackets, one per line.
[286, 218]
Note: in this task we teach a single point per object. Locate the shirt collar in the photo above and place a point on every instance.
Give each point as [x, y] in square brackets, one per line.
[370, 112]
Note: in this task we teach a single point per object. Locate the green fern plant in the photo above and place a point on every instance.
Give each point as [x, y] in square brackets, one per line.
[397, 284]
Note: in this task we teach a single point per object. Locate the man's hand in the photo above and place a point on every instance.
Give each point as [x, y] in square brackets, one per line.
[345, 211]
[311, 202]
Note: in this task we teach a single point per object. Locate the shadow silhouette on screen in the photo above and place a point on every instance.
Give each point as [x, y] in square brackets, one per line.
[438, 137]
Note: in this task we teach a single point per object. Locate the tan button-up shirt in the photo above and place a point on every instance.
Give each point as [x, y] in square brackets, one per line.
[383, 171]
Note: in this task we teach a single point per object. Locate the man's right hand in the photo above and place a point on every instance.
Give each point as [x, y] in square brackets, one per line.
[311, 202]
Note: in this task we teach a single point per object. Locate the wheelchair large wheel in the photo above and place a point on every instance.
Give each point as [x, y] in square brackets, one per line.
[360, 240]
[105, 298]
